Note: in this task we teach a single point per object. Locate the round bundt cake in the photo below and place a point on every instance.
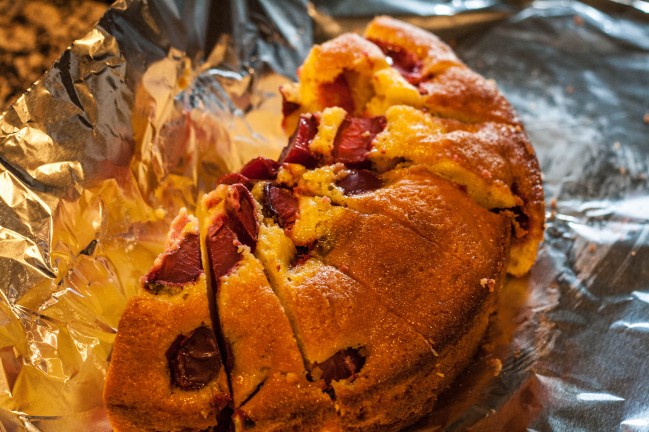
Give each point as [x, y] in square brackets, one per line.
[346, 284]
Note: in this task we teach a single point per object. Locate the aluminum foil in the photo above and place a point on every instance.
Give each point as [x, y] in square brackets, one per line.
[141, 116]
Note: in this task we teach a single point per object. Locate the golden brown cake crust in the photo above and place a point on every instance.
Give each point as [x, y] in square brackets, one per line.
[417, 230]
[165, 372]
[402, 274]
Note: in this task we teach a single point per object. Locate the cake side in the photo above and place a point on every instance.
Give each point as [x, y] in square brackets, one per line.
[165, 371]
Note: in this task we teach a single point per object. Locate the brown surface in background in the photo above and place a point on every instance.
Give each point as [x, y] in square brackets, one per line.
[33, 34]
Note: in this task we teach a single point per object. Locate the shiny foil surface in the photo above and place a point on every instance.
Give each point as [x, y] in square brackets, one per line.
[142, 115]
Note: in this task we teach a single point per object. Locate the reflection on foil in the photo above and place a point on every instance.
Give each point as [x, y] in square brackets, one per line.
[161, 98]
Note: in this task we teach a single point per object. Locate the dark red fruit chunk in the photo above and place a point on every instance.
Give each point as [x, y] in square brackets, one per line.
[280, 204]
[179, 266]
[288, 108]
[341, 365]
[240, 208]
[359, 181]
[337, 93]
[302, 254]
[407, 63]
[234, 178]
[222, 248]
[260, 169]
[238, 226]
[354, 139]
[194, 361]
[297, 151]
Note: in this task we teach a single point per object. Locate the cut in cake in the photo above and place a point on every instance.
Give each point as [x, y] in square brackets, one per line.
[348, 283]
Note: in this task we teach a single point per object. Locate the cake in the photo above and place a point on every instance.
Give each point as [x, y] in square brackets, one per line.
[350, 281]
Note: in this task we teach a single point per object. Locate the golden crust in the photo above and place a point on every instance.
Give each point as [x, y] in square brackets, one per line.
[139, 393]
[417, 217]
[346, 52]
[448, 87]
[494, 162]
[416, 340]
[413, 393]
[461, 94]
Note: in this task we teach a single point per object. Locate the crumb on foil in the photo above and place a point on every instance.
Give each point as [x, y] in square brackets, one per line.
[497, 366]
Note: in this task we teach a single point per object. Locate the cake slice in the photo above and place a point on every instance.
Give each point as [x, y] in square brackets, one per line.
[166, 373]
[269, 382]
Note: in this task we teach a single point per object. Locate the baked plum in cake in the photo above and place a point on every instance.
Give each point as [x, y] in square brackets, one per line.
[351, 280]
[166, 373]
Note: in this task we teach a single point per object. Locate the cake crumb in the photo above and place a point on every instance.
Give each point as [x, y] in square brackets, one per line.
[623, 170]
[633, 253]
[570, 89]
[592, 247]
[578, 20]
[646, 118]
[497, 366]
[617, 146]
[488, 283]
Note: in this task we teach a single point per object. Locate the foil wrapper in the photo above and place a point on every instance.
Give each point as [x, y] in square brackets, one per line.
[140, 117]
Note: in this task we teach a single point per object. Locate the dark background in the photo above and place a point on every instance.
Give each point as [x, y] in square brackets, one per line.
[34, 33]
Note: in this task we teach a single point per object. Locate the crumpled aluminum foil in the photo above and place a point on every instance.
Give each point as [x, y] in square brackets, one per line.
[141, 116]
